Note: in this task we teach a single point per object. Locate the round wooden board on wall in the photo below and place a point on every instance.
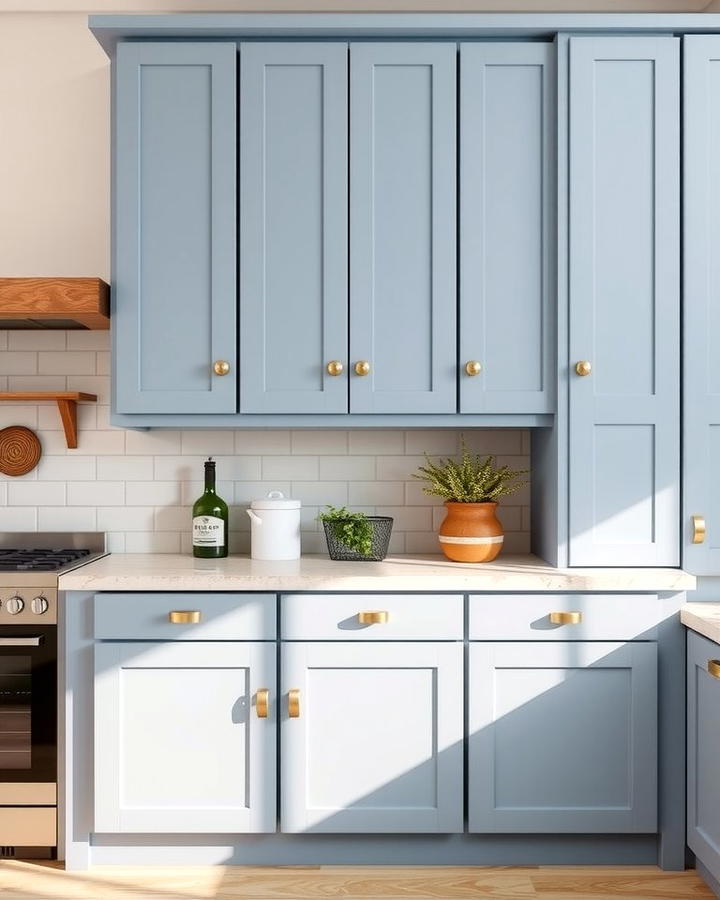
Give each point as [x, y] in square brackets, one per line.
[20, 450]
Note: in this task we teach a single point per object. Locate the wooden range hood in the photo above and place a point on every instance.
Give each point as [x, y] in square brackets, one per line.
[35, 303]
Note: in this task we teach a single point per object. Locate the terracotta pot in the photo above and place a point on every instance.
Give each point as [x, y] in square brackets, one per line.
[471, 532]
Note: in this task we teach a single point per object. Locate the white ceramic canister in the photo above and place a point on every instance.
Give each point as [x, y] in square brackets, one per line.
[275, 528]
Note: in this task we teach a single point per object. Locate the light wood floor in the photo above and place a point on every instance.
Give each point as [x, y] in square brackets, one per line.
[47, 881]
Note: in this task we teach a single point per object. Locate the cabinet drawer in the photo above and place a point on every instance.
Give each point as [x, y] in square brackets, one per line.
[339, 617]
[527, 617]
[202, 617]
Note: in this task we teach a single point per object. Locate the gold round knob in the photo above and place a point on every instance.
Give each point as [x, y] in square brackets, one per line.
[584, 367]
[362, 367]
[473, 367]
[334, 367]
[221, 367]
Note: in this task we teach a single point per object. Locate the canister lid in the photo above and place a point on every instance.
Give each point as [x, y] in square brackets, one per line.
[275, 500]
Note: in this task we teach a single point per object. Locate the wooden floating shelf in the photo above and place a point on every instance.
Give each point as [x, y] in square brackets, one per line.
[32, 303]
[67, 402]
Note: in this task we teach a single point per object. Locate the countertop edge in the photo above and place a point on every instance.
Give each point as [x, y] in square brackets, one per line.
[703, 621]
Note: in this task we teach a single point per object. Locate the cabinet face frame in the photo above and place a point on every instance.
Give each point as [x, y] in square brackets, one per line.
[624, 252]
[443, 663]
[253, 665]
[486, 815]
[174, 184]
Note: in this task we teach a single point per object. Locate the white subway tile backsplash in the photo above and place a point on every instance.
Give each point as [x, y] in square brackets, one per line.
[68, 518]
[90, 493]
[347, 468]
[37, 340]
[36, 493]
[139, 486]
[125, 468]
[292, 468]
[319, 442]
[66, 362]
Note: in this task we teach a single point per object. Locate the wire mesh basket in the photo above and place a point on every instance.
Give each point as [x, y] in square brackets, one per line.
[381, 531]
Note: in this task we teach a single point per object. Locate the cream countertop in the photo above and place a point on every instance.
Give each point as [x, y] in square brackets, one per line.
[703, 618]
[172, 572]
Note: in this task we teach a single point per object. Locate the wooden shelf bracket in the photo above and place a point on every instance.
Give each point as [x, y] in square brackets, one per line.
[67, 402]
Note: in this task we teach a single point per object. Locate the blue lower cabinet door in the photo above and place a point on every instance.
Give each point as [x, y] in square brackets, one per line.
[701, 304]
[624, 377]
[562, 737]
[403, 228]
[293, 228]
[174, 283]
[703, 764]
[507, 241]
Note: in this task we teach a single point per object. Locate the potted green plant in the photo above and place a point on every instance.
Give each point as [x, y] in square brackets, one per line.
[355, 535]
[471, 488]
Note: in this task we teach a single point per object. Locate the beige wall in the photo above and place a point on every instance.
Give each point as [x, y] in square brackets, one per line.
[54, 121]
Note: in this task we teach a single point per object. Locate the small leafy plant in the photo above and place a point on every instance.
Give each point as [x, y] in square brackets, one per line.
[353, 529]
[469, 480]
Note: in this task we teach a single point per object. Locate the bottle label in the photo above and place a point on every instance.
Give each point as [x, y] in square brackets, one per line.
[208, 531]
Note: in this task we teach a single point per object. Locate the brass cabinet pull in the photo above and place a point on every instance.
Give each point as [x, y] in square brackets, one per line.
[362, 367]
[294, 703]
[184, 616]
[566, 618]
[714, 667]
[262, 702]
[373, 617]
[584, 367]
[221, 367]
[473, 367]
[334, 367]
[699, 529]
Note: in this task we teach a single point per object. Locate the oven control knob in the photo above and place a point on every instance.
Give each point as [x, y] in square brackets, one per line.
[39, 605]
[14, 605]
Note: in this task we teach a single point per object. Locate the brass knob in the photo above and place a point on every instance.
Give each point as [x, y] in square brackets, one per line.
[294, 703]
[566, 618]
[221, 367]
[374, 617]
[473, 367]
[713, 667]
[262, 702]
[699, 529]
[362, 367]
[184, 616]
[584, 367]
[334, 367]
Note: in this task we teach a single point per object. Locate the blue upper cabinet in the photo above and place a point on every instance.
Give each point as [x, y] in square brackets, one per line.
[402, 228]
[293, 228]
[507, 244]
[624, 301]
[701, 335]
[174, 280]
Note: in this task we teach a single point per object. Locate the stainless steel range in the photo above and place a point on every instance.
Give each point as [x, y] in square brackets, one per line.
[30, 564]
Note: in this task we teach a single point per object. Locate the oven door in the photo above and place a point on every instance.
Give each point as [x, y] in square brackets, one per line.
[28, 713]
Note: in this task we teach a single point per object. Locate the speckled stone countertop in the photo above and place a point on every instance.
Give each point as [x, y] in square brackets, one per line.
[172, 572]
[703, 618]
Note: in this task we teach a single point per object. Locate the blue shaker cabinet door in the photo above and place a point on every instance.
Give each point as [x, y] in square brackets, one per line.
[293, 228]
[624, 301]
[175, 261]
[562, 737]
[703, 765]
[507, 190]
[402, 228]
[701, 335]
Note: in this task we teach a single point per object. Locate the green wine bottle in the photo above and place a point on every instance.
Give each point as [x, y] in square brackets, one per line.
[210, 520]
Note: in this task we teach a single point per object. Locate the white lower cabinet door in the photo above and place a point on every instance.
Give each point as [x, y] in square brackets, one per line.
[183, 741]
[562, 737]
[372, 737]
